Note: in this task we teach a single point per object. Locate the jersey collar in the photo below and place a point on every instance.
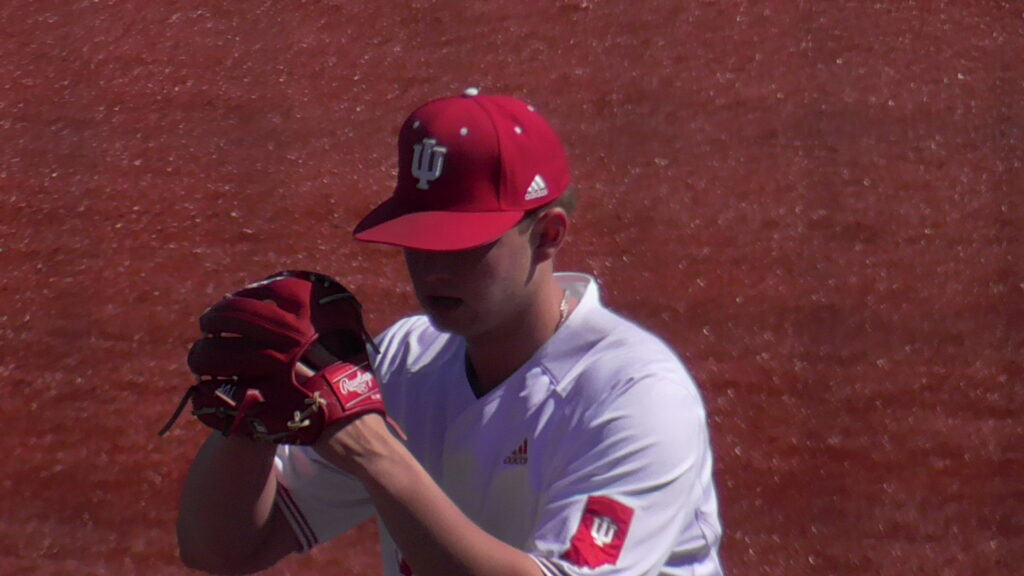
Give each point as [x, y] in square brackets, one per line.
[577, 335]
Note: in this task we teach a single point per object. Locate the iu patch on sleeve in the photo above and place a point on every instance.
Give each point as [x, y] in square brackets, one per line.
[601, 533]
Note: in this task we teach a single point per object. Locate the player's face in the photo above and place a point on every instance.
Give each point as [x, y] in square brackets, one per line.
[476, 291]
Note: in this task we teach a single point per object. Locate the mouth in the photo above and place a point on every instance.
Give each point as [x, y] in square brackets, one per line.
[442, 303]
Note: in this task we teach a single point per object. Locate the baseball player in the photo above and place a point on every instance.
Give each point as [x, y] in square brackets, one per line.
[544, 434]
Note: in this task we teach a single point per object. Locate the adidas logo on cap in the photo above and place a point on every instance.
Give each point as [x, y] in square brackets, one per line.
[538, 188]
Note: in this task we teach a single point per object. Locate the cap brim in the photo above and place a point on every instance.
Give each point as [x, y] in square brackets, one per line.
[437, 231]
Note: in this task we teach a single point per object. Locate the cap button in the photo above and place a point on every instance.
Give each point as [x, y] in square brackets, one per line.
[471, 92]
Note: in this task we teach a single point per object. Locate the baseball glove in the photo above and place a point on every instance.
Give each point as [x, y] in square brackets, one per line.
[247, 365]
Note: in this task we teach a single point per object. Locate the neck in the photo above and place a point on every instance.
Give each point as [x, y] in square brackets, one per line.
[496, 355]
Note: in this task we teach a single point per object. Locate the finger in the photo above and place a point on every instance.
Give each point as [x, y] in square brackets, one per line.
[259, 320]
[303, 372]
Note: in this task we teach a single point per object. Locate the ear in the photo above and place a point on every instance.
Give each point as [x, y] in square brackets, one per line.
[548, 234]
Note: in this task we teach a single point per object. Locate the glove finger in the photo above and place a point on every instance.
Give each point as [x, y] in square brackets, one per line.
[296, 290]
[232, 356]
[331, 307]
[289, 294]
[259, 320]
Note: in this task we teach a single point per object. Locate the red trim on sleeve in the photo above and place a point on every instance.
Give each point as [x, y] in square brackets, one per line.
[403, 567]
[292, 509]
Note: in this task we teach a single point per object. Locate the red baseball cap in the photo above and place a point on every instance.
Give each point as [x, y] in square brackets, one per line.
[469, 167]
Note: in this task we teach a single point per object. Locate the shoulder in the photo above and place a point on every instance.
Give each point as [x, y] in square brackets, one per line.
[631, 400]
[630, 364]
[604, 363]
[619, 338]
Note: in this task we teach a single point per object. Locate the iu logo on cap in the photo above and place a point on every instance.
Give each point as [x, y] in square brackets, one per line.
[427, 162]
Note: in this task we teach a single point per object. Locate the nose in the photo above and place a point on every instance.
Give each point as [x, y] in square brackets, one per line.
[425, 265]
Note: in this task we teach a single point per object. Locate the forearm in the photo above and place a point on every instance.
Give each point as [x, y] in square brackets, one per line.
[226, 502]
[435, 537]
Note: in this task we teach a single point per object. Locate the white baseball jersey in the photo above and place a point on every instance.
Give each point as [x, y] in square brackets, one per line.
[593, 457]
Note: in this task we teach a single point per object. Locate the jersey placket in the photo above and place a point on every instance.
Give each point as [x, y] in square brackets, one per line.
[491, 469]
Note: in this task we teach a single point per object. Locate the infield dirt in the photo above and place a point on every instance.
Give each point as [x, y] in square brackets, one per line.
[817, 204]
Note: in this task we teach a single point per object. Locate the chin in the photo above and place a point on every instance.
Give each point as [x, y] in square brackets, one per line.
[453, 325]
[443, 324]
[439, 325]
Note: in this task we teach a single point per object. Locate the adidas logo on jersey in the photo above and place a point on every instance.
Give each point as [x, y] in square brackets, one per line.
[519, 456]
[538, 188]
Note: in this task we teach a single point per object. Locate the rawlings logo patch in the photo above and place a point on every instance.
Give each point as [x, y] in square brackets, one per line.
[360, 383]
[354, 386]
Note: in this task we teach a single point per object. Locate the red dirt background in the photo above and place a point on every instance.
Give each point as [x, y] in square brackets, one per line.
[818, 204]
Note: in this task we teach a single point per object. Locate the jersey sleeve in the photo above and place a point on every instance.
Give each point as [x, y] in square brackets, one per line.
[319, 500]
[634, 495]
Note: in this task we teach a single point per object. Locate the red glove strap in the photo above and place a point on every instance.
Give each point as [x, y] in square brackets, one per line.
[348, 390]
